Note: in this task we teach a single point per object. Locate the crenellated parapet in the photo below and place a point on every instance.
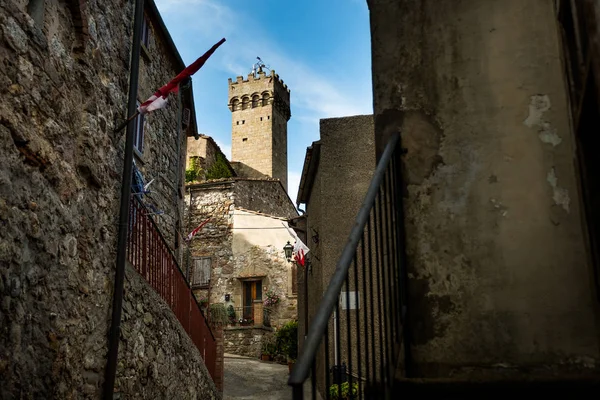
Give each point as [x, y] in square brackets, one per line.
[259, 90]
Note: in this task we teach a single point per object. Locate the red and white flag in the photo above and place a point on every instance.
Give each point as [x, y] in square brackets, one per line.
[299, 257]
[300, 249]
[193, 233]
[159, 98]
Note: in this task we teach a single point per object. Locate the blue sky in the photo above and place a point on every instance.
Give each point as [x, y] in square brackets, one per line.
[320, 48]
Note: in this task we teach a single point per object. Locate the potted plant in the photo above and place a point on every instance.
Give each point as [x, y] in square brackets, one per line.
[287, 342]
[268, 346]
[231, 314]
[218, 314]
[343, 391]
[271, 299]
[203, 303]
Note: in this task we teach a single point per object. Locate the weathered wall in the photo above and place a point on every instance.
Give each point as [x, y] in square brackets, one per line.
[498, 267]
[60, 170]
[206, 149]
[213, 202]
[242, 244]
[157, 359]
[266, 196]
[259, 128]
[244, 341]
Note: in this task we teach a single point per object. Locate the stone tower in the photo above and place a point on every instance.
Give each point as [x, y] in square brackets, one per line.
[260, 110]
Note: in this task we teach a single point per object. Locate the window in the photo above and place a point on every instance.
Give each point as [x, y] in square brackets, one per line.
[145, 32]
[138, 134]
[245, 102]
[245, 139]
[255, 100]
[235, 104]
[265, 99]
[201, 269]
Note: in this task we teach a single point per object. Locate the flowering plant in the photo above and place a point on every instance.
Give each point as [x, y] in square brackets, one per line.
[271, 299]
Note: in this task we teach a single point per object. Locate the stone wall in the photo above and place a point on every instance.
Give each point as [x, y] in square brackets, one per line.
[60, 175]
[206, 149]
[157, 358]
[500, 277]
[215, 203]
[244, 341]
[265, 196]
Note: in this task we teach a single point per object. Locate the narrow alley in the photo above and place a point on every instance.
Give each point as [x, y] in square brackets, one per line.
[249, 378]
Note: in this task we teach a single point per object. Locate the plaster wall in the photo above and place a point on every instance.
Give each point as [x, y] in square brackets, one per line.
[499, 274]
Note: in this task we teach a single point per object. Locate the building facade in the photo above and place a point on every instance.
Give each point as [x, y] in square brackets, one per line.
[65, 69]
[260, 110]
[494, 114]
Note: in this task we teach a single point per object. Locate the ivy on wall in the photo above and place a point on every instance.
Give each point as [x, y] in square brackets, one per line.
[194, 172]
[219, 169]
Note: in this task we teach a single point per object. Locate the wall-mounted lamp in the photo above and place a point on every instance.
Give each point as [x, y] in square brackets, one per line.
[288, 249]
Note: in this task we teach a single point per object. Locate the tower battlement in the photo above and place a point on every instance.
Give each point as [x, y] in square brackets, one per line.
[272, 77]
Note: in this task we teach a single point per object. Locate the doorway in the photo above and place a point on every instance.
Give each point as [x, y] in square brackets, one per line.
[252, 294]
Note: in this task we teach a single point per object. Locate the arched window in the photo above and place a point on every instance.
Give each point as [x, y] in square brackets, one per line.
[255, 100]
[245, 101]
[265, 98]
[235, 104]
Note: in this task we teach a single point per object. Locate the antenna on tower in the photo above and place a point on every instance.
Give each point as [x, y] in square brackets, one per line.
[259, 66]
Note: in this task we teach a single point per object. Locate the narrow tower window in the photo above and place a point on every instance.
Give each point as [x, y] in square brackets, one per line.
[245, 102]
[255, 101]
[265, 99]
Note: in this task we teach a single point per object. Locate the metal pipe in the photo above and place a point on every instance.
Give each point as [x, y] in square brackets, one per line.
[115, 328]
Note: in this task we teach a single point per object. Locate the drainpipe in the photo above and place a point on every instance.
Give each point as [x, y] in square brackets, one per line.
[115, 328]
[178, 174]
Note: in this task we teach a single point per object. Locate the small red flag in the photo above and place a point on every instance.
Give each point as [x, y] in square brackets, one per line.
[159, 98]
[193, 233]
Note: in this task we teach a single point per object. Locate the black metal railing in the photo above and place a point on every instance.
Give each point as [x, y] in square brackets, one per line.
[254, 315]
[355, 339]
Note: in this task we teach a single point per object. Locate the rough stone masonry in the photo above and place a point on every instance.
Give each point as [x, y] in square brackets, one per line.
[64, 85]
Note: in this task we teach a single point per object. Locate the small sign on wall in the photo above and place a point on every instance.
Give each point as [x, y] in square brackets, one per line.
[350, 300]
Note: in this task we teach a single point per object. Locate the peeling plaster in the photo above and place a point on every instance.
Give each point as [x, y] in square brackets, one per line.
[560, 195]
[539, 104]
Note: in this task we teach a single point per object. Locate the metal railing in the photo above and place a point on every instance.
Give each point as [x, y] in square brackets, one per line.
[249, 316]
[355, 339]
[151, 256]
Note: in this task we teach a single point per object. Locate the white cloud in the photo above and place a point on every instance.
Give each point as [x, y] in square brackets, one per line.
[315, 95]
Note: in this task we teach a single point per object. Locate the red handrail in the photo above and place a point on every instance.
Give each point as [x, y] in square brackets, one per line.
[151, 256]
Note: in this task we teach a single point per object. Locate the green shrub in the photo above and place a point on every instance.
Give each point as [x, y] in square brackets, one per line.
[219, 169]
[218, 314]
[269, 344]
[194, 172]
[342, 391]
[287, 340]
